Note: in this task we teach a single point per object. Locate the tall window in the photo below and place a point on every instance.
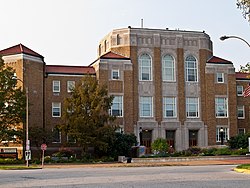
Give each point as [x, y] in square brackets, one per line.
[168, 73]
[169, 106]
[56, 109]
[117, 106]
[241, 112]
[145, 68]
[192, 107]
[146, 109]
[56, 135]
[225, 134]
[221, 107]
[191, 69]
[70, 86]
[56, 86]
[220, 77]
[115, 74]
[239, 90]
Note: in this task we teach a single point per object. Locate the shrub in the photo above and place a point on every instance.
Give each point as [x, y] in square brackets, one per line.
[160, 146]
[10, 161]
[239, 141]
[222, 151]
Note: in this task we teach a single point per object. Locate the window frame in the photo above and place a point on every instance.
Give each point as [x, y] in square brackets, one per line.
[54, 106]
[172, 106]
[241, 108]
[224, 105]
[220, 75]
[189, 105]
[118, 74]
[144, 103]
[166, 68]
[225, 135]
[144, 67]
[189, 69]
[237, 90]
[59, 135]
[54, 86]
[73, 83]
[119, 103]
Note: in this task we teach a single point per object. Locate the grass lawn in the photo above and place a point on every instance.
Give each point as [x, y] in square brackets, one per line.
[244, 166]
[16, 167]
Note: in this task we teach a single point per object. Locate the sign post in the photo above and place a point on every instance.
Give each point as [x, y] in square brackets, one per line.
[43, 148]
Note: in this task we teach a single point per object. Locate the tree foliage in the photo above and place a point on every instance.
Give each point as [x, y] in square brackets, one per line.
[86, 116]
[12, 105]
[245, 69]
[160, 146]
[239, 141]
[39, 136]
[244, 5]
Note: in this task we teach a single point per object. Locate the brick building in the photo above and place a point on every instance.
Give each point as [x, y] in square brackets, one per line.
[166, 83]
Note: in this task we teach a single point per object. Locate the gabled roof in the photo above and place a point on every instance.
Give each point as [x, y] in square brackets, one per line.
[19, 49]
[242, 76]
[72, 70]
[112, 55]
[218, 60]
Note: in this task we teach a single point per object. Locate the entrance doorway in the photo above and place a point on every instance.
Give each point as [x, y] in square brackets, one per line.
[193, 138]
[147, 139]
[170, 136]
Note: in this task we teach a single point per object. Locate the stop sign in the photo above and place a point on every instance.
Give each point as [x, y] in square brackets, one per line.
[43, 147]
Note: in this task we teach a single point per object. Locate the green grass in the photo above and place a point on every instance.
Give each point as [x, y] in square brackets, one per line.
[244, 166]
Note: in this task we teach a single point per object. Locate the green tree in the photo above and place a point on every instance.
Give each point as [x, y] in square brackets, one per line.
[86, 116]
[244, 5]
[160, 146]
[12, 105]
[245, 69]
[39, 136]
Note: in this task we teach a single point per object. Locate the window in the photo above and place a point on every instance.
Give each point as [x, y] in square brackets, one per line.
[241, 131]
[56, 109]
[221, 107]
[169, 106]
[145, 68]
[241, 112]
[225, 134]
[239, 90]
[192, 107]
[115, 74]
[56, 135]
[146, 107]
[117, 106]
[220, 77]
[168, 73]
[56, 86]
[191, 69]
[70, 86]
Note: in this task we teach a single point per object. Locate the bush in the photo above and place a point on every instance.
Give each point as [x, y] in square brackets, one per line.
[160, 146]
[239, 141]
[10, 161]
[222, 151]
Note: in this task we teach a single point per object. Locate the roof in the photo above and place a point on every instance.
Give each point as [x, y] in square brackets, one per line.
[242, 76]
[74, 70]
[19, 49]
[112, 55]
[218, 60]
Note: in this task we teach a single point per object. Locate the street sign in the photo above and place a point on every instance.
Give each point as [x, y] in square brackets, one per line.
[27, 145]
[43, 147]
[27, 155]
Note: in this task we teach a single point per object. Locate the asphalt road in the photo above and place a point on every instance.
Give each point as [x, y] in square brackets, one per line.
[214, 176]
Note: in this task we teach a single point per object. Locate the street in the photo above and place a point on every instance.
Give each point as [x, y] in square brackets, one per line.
[168, 176]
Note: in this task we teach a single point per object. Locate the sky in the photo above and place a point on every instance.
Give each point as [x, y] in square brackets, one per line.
[67, 32]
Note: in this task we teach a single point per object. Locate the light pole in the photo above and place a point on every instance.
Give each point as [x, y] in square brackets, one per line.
[140, 135]
[236, 37]
[222, 135]
[27, 148]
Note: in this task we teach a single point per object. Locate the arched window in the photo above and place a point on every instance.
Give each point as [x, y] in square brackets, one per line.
[191, 69]
[145, 67]
[168, 68]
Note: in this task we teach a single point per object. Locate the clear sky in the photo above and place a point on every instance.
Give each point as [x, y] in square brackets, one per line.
[67, 32]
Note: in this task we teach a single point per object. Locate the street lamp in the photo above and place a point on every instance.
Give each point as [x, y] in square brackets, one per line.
[221, 135]
[236, 37]
[140, 135]
[27, 149]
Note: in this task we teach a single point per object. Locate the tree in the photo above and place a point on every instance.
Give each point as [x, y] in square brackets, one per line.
[86, 116]
[245, 69]
[160, 146]
[244, 5]
[12, 105]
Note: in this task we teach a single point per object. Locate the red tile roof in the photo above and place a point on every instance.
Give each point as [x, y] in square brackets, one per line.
[215, 59]
[60, 69]
[112, 55]
[242, 76]
[19, 49]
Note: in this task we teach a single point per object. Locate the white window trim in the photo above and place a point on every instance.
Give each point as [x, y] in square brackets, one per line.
[242, 89]
[196, 65]
[218, 134]
[112, 74]
[226, 103]
[59, 86]
[53, 106]
[244, 130]
[151, 108]
[243, 109]
[140, 68]
[164, 68]
[122, 112]
[187, 112]
[164, 107]
[222, 76]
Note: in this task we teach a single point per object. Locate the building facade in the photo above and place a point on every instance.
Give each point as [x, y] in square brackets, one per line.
[165, 83]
